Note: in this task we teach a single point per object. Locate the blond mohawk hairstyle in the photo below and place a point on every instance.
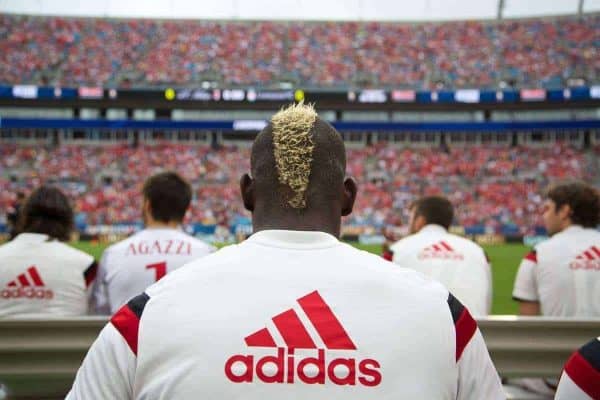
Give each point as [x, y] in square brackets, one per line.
[293, 147]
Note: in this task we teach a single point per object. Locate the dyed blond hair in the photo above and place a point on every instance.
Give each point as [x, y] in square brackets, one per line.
[293, 147]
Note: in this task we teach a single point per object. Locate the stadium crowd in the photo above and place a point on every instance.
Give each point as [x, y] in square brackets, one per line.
[491, 188]
[72, 52]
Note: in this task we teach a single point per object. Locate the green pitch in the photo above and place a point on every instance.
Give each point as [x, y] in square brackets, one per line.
[505, 261]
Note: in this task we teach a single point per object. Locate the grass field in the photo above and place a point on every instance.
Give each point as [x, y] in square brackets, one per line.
[505, 261]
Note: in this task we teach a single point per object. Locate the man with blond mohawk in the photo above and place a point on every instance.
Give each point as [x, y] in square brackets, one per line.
[291, 312]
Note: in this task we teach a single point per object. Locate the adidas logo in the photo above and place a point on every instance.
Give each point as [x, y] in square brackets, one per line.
[588, 260]
[440, 250]
[320, 366]
[28, 285]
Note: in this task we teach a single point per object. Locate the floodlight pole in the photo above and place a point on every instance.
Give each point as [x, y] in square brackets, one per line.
[501, 9]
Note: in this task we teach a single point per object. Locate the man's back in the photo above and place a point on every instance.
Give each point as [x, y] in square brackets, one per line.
[127, 268]
[43, 277]
[290, 314]
[459, 264]
[563, 274]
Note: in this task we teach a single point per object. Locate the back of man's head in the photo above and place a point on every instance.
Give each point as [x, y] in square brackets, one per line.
[298, 165]
[583, 201]
[435, 210]
[47, 211]
[168, 196]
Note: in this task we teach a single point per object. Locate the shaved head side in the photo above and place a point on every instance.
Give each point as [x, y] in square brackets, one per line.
[298, 162]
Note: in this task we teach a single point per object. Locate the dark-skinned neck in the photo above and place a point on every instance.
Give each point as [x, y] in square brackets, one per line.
[292, 220]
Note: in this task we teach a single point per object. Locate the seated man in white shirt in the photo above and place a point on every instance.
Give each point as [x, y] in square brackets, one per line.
[561, 276]
[40, 276]
[128, 267]
[458, 263]
[292, 312]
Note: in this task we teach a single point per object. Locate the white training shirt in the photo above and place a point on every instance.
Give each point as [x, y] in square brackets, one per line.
[41, 277]
[580, 379]
[289, 314]
[458, 263]
[563, 274]
[128, 267]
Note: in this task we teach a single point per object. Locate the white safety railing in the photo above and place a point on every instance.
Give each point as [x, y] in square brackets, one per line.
[39, 358]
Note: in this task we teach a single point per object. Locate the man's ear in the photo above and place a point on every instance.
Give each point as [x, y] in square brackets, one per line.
[146, 208]
[565, 211]
[348, 196]
[419, 222]
[247, 190]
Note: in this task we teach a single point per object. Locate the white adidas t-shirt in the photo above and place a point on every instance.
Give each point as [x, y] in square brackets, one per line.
[128, 267]
[580, 379]
[40, 277]
[459, 264]
[563, 274]
[290, 314]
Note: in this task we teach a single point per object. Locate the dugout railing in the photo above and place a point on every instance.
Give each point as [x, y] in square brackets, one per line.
[39, 358]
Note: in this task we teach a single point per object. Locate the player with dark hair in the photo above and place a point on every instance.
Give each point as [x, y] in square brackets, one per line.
[458, 263]
[291, 312]
[561, 277]
[130, 266]
[40, 275]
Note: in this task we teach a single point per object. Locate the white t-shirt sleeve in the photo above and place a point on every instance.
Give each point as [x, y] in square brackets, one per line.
[525, 288]
[100, 303]
[107, 371]
[477, 376]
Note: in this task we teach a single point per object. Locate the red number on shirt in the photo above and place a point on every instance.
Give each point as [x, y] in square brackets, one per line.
[160, 269]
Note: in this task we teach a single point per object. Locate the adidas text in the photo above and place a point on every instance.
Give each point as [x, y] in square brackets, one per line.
[27, 292]
[284, 368]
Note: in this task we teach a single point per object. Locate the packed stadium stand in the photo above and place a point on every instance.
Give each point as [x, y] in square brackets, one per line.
[495, 190]
[137, 52]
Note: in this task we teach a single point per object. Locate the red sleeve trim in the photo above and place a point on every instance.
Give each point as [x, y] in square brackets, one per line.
[127, 320]
[584, 375]
[127, 323]
[388, 255]
[90, 274]
[464, 324]
[531, 256]
[465, 330]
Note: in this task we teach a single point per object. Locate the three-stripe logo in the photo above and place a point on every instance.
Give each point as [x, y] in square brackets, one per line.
[587, 260]
[315, 369]
[441, 250]
[27, 285]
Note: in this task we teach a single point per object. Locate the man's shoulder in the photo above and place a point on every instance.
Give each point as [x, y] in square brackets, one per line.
[70, 253]
[200, 244]
[389, 273]
[405, 241]
[198, 267]
[557, 241]
[7, 247]
[466, 244]
[122, 245]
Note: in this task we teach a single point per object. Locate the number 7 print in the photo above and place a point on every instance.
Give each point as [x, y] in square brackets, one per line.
[160, 269]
